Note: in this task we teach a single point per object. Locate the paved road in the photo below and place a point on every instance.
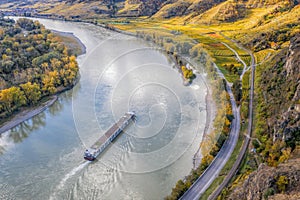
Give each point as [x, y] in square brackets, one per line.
[239, 58]
[237, 163]
[209, 175]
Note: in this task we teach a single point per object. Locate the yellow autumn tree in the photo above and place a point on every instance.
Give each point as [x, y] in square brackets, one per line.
[48, 85]
[281, 183]
[12, 98]
[32, 92]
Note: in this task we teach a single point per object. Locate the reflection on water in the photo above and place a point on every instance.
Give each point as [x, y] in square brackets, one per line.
[56, 108]
[19, 133]
[22, 131]
[42, 158]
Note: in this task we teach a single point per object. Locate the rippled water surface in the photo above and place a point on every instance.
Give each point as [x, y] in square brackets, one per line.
[42, 157]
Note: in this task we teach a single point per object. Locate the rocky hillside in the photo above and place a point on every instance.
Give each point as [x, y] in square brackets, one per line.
[278, 183]
[277, 128]
[141, 7]
[258, 3]
[185, 8]
[288, 126]
[230, 10]
[278, 107]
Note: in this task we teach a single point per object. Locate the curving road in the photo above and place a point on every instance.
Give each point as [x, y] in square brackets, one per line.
[237, 163]
[213, 170]
[239, 58]
[209, 175]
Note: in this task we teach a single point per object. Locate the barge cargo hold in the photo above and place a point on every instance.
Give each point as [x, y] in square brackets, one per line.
[100, 145]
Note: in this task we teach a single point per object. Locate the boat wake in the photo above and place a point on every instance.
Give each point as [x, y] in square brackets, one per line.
[72, 173]
[68, 176]
[195, 87]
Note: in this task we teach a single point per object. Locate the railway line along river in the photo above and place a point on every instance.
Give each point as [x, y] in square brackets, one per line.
[42, 158]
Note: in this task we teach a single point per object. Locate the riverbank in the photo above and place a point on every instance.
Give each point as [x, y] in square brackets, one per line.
[73, 43]
[211, 110]
[210, 106]
[77, 48]
[26, 114]
[55, 140]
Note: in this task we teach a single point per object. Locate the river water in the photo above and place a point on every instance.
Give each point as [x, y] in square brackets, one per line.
[43, 157]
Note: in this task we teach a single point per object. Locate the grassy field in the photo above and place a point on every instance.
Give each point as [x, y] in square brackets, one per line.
[210, 40]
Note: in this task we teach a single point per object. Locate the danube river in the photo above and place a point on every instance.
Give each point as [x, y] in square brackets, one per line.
[43, 157]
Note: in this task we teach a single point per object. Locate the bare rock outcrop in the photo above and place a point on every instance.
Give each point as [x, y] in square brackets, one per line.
[265, 183]
[288, 127]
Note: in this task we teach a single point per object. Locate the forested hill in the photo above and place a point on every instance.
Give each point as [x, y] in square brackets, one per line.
[34, 64]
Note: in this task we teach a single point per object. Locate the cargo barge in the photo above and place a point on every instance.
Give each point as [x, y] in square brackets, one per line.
[103, 142]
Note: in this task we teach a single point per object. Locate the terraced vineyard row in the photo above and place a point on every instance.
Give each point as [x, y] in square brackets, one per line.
[263, 55]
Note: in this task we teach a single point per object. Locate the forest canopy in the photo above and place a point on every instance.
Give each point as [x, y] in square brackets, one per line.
[34, 64]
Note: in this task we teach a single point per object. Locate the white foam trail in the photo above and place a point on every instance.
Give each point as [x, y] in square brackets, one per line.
[73, 172]
[195, 87]
[69, 175]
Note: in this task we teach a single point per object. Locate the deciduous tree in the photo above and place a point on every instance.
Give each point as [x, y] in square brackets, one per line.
[32, 92]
